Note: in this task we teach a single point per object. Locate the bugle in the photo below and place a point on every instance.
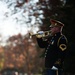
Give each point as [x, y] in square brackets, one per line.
[40, 35]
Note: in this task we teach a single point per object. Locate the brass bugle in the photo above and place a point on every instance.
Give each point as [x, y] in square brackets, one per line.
[44, 34]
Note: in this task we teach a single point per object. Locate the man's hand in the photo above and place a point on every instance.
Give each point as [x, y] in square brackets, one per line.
[40, 34]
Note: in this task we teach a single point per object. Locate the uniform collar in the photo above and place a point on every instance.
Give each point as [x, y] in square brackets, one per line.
[58, 34]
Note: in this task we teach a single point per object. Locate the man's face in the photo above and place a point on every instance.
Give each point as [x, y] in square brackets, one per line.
[54, 29]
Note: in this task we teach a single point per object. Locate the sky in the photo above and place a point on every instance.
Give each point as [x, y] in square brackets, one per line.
[14, 20]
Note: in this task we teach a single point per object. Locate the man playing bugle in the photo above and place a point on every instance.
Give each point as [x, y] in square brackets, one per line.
[55, 46]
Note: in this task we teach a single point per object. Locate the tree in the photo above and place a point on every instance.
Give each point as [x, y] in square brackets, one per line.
[21, 52]
[25, 16]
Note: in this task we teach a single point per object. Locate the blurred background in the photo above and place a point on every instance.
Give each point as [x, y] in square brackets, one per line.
[18, 52]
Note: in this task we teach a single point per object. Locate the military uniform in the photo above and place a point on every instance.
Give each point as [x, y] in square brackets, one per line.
[55, 47]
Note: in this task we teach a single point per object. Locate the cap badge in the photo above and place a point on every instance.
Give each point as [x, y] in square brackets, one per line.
[52, 42]
[55, 24]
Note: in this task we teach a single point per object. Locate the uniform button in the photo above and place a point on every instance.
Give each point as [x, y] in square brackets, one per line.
[47, 48]
[46, 53]
[48, 45]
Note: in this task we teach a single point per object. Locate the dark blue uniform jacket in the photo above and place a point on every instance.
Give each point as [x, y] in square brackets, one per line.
[55, 49]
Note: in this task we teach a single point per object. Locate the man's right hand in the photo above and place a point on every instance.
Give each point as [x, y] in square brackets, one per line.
[40, 34]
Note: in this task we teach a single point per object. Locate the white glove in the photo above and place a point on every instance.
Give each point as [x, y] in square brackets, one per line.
[54, 68]
[41, 32]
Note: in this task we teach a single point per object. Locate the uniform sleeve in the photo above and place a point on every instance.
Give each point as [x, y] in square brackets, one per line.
[62, 43]
[41, 43]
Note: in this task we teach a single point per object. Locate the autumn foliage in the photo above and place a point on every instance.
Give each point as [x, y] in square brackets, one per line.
[23, 53]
